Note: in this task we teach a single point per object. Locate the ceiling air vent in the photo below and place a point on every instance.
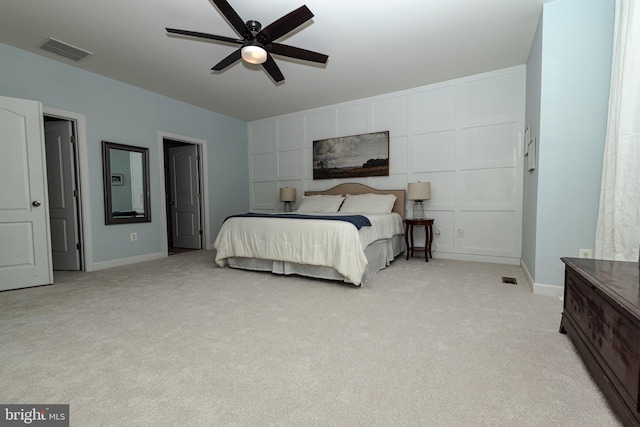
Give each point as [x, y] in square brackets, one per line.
[64, 49]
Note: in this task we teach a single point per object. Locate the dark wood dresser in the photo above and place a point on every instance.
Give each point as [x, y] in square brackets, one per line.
[602, 317]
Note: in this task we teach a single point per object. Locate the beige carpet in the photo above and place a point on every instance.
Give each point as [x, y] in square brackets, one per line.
[180, 342]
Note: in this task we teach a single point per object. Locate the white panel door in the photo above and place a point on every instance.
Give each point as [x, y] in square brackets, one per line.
[62, 197]
[185, 197]
[25, 248]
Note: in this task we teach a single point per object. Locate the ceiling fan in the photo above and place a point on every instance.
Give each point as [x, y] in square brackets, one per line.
[257, 42]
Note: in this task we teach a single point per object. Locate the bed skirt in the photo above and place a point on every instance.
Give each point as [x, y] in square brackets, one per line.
[379, 255]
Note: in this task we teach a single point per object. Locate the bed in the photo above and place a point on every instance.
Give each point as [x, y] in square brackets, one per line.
[316, 241]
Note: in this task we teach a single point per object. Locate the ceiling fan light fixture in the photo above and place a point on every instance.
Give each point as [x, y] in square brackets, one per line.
[254, 54]
[257, 43]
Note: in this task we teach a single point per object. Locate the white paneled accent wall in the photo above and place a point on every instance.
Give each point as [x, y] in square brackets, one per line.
[463, 135]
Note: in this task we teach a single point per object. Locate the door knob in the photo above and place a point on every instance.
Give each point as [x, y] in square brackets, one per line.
[36, 203]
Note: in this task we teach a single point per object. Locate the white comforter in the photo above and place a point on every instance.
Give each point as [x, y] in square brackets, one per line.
[336, 244]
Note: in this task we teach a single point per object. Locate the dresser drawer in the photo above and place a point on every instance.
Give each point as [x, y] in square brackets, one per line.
[613, 338]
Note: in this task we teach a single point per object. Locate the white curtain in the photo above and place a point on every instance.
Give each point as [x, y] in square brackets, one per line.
[618, 228]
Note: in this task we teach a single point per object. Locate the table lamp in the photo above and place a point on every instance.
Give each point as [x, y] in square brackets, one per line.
[419, 191]
[287, 195]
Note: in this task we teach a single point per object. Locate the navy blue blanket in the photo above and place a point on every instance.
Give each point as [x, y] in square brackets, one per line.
[358, 221]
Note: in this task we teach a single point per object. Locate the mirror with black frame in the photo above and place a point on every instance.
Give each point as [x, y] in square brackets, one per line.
[126, 183]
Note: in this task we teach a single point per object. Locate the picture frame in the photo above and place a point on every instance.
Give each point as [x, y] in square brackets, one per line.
[351, 156]
[117, 179]
[531, 158]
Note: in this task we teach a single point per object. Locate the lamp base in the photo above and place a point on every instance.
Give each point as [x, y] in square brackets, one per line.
[418, 210]
[287, 207]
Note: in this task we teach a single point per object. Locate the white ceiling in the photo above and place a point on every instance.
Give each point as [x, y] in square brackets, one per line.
[374, 46]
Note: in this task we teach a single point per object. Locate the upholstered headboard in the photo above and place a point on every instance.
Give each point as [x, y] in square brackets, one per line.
[355, 188]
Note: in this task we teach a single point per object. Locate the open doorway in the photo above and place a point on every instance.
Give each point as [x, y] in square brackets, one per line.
[63, 181]
[183, 185]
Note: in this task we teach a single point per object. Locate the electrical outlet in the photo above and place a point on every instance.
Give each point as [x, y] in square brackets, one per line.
[437, 232]
[460, 232]
[585, 253]
[134, 237]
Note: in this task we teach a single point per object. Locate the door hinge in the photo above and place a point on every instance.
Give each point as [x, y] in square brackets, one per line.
[78, 246]
[201, 232]
[197, 156]
[199, 195]
[73, 139]
[75, 193]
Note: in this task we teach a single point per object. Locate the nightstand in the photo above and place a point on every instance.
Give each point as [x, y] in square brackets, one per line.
[408, 236]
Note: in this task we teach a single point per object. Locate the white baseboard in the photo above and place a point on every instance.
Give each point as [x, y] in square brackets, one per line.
[527, 275]
[541, 288]
[477, 258]
[126, 261]
[548, 290]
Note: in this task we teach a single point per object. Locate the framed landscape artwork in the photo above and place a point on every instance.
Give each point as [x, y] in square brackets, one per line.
[351, 156]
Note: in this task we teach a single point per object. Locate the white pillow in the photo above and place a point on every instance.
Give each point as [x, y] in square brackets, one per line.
[320, 203]
[368, 203]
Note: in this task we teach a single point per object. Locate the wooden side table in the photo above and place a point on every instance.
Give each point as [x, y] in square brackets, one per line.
[408, 236]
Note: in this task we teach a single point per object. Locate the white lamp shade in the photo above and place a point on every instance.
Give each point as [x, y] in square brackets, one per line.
[287, 194]
[254, 54]
[419, 191]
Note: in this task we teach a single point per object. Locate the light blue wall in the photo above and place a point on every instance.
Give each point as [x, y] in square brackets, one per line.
[126, 114]
[530, 184]
[577, 37]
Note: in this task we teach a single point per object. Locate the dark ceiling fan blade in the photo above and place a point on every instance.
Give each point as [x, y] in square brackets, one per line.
[296, 52]
[235, 56]
[233, 17]
[287, 23]
[272, 68]
[204, 36]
